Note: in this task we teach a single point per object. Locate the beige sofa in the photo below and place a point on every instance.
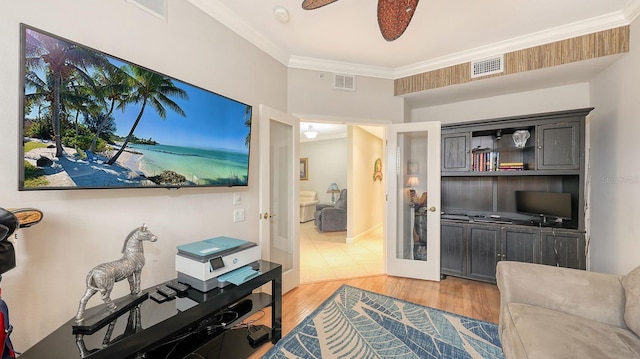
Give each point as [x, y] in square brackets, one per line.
[308, 202]
[550, 312]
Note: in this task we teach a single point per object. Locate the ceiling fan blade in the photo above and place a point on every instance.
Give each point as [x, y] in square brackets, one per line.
[314, 4]
[394, 16]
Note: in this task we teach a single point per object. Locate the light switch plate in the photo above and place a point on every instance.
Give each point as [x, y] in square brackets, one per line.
[238, 215]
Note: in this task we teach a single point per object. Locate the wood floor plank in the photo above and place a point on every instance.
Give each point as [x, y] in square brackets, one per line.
[465, 297]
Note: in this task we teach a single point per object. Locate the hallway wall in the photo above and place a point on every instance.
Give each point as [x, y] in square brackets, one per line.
[327, 164]
[367, 199]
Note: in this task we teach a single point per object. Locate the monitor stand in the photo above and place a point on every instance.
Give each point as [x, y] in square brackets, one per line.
[544, 222]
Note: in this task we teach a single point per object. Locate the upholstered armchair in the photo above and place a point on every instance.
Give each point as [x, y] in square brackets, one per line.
[331, 218]
[308, 202]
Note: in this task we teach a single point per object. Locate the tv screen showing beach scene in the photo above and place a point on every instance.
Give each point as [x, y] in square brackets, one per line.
[90, 120]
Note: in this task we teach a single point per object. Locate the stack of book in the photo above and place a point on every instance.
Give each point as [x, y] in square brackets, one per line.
[511, 166]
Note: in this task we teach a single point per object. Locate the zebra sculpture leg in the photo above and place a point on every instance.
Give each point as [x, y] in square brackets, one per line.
[83, 303]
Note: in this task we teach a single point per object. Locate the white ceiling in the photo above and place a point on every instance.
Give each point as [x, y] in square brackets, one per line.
[344, 37]
[346, 34]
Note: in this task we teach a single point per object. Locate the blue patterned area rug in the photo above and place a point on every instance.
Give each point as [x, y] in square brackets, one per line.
[355, 323]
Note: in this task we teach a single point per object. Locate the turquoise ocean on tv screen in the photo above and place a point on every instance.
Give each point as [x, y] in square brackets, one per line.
[200, 166]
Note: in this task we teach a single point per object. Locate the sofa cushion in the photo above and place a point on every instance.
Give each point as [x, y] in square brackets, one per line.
[540, 333]
[631, 284]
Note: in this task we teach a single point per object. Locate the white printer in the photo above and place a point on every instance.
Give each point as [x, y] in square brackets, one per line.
[200, 264]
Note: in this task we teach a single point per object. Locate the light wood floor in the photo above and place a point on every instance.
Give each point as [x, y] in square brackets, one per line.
[465, 297]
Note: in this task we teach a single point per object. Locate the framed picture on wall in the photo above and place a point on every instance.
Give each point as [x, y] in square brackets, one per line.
[412, 168]
[304, 169]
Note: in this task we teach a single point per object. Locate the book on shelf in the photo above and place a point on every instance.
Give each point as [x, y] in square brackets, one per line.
[483, 160]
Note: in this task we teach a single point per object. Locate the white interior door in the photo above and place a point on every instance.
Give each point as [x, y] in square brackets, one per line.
[413, 206]
[279, 192]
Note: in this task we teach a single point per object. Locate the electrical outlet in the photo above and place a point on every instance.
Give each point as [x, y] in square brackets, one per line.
[237, 199]
[238, 215]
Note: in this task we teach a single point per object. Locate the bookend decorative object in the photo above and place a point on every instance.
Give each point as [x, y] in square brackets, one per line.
[102, 277]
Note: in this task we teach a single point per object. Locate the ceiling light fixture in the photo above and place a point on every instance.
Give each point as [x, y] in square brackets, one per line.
[394, 16]
[310, 132]
[281, 14]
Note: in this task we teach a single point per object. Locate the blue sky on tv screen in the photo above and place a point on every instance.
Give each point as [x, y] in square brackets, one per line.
[212, 121]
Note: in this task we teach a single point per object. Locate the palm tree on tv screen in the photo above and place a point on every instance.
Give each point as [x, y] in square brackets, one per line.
[112, 87]
[247, 123]
[153, 89]
[61, 60]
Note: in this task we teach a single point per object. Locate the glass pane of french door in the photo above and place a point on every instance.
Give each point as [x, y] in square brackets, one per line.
[281, 140]
[411, 189]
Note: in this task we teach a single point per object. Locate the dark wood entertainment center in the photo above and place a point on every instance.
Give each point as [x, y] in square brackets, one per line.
[482, 169]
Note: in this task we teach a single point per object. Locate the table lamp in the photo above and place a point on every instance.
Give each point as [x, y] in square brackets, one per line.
[412, 182]
[333, 189]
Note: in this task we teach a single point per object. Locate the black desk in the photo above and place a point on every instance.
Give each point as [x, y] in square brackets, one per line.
[153, 328]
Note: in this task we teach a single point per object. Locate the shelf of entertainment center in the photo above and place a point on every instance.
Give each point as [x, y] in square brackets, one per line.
[511, 173]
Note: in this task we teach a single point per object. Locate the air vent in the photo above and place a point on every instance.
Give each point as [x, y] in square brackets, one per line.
[344, 82]
[488, 66]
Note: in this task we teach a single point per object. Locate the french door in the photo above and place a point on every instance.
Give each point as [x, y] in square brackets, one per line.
[413, 206]
[279, 188]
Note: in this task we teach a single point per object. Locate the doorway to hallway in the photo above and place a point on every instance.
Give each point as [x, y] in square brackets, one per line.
[327, 256]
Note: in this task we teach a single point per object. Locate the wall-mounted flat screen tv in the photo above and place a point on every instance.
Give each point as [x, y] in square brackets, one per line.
[91, 120]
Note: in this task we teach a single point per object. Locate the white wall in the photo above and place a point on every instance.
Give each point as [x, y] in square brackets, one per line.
[312, 97]
[615, 168]
[327, 164]
[522, 103]
[86, 227]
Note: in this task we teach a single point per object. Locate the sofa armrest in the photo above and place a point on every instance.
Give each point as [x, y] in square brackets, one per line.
[333, 219]
[596, 296]
[321, 206]
[308, 203]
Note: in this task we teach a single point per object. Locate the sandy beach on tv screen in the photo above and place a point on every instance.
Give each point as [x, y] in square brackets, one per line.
[74, 172]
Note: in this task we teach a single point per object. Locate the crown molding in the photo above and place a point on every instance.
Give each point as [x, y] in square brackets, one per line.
[309, 63]
[229, 19]
[632, 11]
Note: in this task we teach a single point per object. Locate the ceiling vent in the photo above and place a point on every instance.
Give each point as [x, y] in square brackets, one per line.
[344, 82]
[488, 66]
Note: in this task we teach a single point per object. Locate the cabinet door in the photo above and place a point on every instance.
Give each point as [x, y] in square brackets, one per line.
[484, 243]
[563, 248]
[456, 155]
[453, 249]
[558, 146]
[520, 244]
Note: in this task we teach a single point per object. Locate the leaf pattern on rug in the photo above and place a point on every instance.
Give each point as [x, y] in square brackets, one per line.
[354, 323]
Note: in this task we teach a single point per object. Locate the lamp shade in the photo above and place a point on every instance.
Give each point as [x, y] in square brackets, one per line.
[333, 188]
[413, 181]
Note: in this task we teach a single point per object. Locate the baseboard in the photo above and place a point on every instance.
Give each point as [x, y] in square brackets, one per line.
[351, 240]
